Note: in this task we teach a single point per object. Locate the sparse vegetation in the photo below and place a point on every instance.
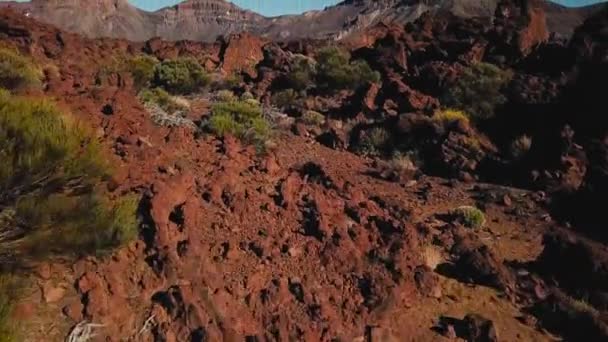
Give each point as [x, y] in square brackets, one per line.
[521, 146]
[374, 140]
[335, 70]
[246, 96]
[450, 115]
[162, 99]
[285, 99]
[181, 76]
[17, 71]
[225, 96]
[302, 73]
[432, 257]
[49, 199]
[310, 117]
[232, 81]
[142, 69]
[477, 91]
[403, 163]
[470, 216]
[241, 119]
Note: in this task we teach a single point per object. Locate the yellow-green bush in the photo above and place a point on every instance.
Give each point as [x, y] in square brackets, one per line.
[335, 71]
[450, 115]
[470, 216]
[182, 76]
[80, 224]
[310, 117]
[161, 98]
[225, 96]
[17, 71]
[142, 69]
[49, 192]
[241, 119]
[478, 90]
[39, 146]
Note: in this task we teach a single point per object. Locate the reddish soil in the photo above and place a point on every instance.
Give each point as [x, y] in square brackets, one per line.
[308, 242]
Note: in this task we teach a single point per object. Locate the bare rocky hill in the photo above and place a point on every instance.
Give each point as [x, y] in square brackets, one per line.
[205, 20]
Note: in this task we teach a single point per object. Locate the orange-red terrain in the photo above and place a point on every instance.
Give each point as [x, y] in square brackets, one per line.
[312, 242]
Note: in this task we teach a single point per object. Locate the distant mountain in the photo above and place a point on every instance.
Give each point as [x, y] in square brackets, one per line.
[205, 20]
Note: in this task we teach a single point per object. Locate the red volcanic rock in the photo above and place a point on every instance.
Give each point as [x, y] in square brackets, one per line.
[408, 98]
[242, 52]
[369, 101]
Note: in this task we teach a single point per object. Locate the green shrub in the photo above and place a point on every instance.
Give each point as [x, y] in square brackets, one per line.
[302, 73]
[142, 69]
[285, 99]
[16, 71]
[183, 76]
[49, 196]
[82, 224]
[470, 216]
[374, 140]
[478, 90]
[335, 71]
[247, 96]
[310, 117]
[225, 96]
[161, 98]
[241, 119]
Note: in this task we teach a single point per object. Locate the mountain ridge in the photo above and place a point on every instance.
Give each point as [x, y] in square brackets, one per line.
[205, 20]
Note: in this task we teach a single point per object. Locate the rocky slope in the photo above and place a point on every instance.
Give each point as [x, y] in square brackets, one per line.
[206, 19]
[315, 242]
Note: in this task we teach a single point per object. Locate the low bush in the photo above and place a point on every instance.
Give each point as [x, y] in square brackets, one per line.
[161, 98]
[470, 216]
[181, 76]
[310, 117]
[142, 69]
[448, 115]
[302, 73]
[17, 71]
[401, 163]
[86, 223]
[225, 96]
[49, 196]
[241, 119]
[247, 96]
[335, 71]
[232, 81]
[374, 141]
[477, 91]
[285, 99]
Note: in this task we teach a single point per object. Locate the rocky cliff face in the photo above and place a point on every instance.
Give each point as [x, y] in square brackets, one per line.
[204, 20]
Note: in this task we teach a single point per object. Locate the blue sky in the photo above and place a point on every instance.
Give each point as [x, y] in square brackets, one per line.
[278, 7]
